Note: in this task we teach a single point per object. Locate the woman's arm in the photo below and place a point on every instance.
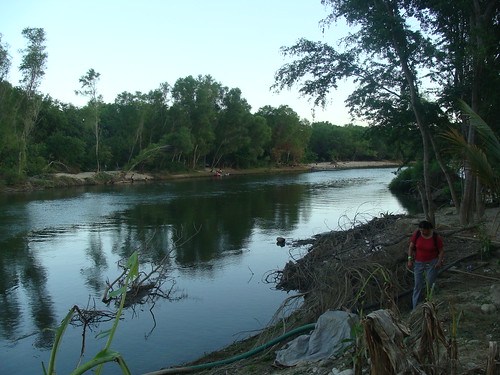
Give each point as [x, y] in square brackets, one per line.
[411, 254]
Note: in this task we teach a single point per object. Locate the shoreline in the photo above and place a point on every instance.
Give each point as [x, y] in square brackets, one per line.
[324, 166]
[468, 285]
[62, 180]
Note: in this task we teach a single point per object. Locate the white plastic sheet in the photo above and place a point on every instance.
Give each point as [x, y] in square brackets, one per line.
[332, 334]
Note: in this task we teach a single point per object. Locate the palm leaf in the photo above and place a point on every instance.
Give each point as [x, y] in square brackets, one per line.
[483, 161]
[491, 142]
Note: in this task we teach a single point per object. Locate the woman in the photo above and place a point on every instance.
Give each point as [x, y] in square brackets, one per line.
[425, 256]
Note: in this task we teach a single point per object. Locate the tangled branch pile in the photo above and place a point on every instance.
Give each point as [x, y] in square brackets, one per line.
[359, 268]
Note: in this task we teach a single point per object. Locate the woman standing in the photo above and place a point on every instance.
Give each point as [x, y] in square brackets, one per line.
[425, 256]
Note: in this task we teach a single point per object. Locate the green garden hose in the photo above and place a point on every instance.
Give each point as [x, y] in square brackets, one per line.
[182, 370]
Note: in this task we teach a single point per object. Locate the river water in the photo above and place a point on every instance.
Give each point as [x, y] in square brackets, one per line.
[58, 248]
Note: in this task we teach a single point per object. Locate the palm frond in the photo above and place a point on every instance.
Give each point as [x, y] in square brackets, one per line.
[491, 142]
[483, 160]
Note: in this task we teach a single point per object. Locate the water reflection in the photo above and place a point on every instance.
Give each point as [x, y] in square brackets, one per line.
[93, 274]
[23, 291]
[58, 248]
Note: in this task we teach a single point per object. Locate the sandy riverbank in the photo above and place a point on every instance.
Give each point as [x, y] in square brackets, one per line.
[60, 180]
[135, 176]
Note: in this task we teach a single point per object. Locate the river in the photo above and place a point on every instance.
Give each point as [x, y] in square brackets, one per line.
[59, 247]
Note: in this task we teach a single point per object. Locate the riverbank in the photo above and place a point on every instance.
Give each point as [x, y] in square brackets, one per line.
[339, 265]
[59, 180]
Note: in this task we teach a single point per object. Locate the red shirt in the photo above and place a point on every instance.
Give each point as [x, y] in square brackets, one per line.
[426, 247]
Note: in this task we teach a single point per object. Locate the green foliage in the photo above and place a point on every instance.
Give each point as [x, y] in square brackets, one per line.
[5, 60]
[408, 178]
[10, 177]
[483, 158]
[196, 122]
[106, 355]
[289, 135]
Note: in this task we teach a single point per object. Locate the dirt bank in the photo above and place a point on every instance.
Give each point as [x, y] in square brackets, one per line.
[59, 180]
[343, 270]
[121, 177]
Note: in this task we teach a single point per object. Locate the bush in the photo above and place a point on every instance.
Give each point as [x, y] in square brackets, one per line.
[406, 180]
[10, 177]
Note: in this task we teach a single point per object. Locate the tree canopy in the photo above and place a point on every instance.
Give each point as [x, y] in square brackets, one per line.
[411, 61]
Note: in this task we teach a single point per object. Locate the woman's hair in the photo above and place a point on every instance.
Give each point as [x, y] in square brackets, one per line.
[425, 225]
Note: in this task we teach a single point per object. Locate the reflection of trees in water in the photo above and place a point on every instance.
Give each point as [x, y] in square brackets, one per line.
[9, 279]
[20, 268]
[95, 252]
[410, 203]
[222, 223]
[227, 221]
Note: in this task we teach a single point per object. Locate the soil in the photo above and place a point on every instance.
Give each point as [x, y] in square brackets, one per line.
[340, 265]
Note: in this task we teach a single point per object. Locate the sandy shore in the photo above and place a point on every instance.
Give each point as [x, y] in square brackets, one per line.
[117, 175]
[121, 177]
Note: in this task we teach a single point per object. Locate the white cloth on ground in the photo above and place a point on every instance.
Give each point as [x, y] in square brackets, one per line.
[331, 334]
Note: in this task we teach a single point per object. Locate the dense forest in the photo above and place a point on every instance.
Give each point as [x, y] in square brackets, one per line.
[427, 76]
[196, 122]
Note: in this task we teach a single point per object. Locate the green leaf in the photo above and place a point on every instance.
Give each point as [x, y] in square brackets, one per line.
[133, 265]
[57, 341]
[106, 354]
[103, 334]
[118, 292]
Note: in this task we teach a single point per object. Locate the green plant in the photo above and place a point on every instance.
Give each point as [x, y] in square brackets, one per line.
[357, 329]
[453, 342]
[105, 355]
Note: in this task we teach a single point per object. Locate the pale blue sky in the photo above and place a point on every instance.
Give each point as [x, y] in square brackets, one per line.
[136, 45]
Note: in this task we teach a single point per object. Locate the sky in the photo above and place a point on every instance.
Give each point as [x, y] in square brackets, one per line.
[137, 45]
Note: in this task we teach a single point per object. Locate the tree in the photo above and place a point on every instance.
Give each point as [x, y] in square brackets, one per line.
[7, 136]
[32, 69]
[290, 135]
[468, 35]
[484, 160]
[89, 89]
[260, 134]
[196, 105]
[231, 130]
[4, 60]
[390, 59]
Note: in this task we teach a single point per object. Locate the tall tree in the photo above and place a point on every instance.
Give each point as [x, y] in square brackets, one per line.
[4, 60]
[32, 70]
[196, 105]
[389, 58]
[89, 83]
[231, 131]
[468, 34]
[5, 88]
[289, 135]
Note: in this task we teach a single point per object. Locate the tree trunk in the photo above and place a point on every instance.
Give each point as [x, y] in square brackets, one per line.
[97, 145]
[400, 46]
[195, 157]
[447, 174]
[33, 106]
[472, 204]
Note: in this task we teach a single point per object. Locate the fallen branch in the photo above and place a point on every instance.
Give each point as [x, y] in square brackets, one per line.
[475, 274]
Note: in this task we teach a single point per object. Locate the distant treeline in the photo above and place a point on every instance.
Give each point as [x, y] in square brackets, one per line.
[195, 123]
